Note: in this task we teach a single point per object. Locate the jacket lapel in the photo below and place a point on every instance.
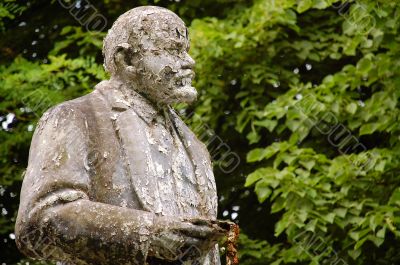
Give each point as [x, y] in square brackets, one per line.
[131, 133]
[138, 161]
[203, 168]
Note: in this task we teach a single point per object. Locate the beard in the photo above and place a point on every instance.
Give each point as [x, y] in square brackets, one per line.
[186, 94]
[176, 89]
[168, 87]
[167, 94]
[181, 88]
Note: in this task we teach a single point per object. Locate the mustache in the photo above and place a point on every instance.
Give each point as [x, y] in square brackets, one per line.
[183, 78]
[185, 73]
[177, 74]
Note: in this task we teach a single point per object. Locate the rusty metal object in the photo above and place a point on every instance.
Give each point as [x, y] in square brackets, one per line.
[231, 231]
[231, 245]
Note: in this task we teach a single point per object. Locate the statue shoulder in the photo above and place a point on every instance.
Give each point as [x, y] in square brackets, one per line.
[68, 112]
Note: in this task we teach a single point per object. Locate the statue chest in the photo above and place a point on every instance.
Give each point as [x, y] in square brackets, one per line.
[172, 167]
[161, 165]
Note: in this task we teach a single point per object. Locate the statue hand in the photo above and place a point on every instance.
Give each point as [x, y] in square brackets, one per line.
[175, 238]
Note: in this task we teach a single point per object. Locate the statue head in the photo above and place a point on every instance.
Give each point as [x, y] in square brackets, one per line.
[147, 48]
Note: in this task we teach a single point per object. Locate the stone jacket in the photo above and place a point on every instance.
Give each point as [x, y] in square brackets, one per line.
[91, 188]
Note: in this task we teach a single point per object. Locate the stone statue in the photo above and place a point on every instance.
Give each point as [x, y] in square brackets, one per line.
[116, 177]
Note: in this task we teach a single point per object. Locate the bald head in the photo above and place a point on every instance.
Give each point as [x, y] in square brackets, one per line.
[144, 28]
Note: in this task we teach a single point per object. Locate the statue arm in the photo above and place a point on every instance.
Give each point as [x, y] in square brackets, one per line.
[57, 220]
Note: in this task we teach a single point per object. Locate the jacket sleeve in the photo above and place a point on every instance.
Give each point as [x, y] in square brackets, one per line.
[56, 218]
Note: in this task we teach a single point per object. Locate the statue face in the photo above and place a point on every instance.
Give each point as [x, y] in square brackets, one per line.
[165, 69]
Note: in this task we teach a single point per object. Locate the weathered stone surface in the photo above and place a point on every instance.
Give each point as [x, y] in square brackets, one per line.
[116, 177]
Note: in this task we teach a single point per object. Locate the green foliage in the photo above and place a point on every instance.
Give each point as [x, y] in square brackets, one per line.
[305, 92]
[88, 43]
[28, 89]
[9, 9]
[256, 252]
[318, 105]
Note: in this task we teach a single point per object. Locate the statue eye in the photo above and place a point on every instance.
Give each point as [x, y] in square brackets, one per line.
[176, 48]
[172, 49]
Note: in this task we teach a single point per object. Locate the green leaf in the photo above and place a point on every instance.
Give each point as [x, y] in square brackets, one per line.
[329, 217]
[360, 243]
[308, 164]
[269, 124]
[253, 137]
[304, 5]
[354, 254]
[311, 225]
[376, 240]
[368, 128]
[277, 262]
[253, 178]
[351, 108]
[267, 174]
[255, 155]
[259, 154]
[341, 212]
[263, 191]
[278, 205]
[395, 198]
[364, 66]
[381, 233]
[280, 227]
[357, 235]
[375, 221]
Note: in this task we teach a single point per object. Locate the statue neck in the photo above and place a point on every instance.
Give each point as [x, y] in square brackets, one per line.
[133, 93]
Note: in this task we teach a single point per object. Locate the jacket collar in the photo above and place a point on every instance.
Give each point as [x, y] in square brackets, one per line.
[121, 98]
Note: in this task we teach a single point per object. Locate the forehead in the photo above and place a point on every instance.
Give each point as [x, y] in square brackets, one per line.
[164, 30]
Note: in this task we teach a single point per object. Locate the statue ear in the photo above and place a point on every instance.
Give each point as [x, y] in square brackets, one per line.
[123, 56]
